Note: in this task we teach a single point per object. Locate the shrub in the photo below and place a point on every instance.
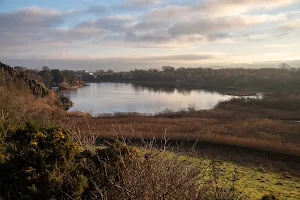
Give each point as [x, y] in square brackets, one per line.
[123, 172]
[269, 197]
[44, 163]
[2, 151]
[41, 164]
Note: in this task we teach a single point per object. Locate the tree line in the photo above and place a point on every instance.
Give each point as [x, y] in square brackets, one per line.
[53, 77]
[264, 78]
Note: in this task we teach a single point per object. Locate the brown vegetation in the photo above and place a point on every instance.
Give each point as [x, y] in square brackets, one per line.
[134, 173]
[216, 126]
[270, 124]
[249, 128]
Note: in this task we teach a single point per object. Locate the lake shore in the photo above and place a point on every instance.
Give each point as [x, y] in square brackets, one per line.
[72, 87]
[227, 90]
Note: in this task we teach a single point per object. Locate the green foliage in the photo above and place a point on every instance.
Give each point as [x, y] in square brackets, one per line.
[55, 77]
[41, 163]
[48, 78]
[105, 169]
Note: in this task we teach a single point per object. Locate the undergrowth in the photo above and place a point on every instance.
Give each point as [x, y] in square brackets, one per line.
[39, 162]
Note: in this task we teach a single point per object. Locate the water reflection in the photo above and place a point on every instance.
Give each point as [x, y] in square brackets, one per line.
[160, 88]
[120, 97]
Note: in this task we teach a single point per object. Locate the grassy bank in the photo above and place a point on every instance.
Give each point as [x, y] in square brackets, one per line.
[255, 181]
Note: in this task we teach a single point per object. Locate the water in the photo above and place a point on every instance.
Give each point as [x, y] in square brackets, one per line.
[100, 98]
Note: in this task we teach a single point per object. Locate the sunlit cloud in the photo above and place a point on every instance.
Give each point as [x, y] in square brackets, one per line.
[150, 32]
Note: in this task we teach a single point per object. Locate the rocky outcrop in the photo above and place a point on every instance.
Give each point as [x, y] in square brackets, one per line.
[63, 102]
[36, 88]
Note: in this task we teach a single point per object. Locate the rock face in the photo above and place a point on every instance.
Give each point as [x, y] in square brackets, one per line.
[36, 88]
[64, 102]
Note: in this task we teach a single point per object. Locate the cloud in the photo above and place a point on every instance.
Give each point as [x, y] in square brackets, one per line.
[126, 5]
[96, 9]
[183, 57]
[205, 26]
[275, 46]
[29, 18]
[38, 23]
[40, 32]
[213, 25]
[138, 58]
[258, 37]
[235, 7]
[39, 27]
[27, 26]
[214, 8]
[136, 4]
[119, 63]
[290, 25]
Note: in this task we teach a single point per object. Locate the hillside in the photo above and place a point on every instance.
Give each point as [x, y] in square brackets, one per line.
[13, 76]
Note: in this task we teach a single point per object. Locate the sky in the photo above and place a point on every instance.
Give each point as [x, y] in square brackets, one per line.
[129, 34]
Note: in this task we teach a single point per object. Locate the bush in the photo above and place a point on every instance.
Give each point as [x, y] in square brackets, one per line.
[269, 197]
[44, 163]
[41, 164]
[123, 172]
[2, 151]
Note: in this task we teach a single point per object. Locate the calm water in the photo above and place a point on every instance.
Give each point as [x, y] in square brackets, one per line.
[120, 97]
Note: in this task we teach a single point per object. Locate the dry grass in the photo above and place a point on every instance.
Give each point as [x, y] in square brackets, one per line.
[274, 144]
[17, 106]
[147, 173]
[253, 132]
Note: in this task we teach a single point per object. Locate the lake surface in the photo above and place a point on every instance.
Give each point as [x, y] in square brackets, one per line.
[100, 98]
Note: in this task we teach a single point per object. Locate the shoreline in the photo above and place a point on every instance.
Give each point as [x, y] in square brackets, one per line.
[226, 90]
[61, 88]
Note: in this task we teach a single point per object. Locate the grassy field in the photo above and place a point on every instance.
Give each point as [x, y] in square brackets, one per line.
[254, 181]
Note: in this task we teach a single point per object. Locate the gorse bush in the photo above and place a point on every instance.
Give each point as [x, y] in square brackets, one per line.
[41, 164]
[45, 163]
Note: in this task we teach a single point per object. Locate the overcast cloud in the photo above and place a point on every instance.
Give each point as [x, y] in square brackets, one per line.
[150, 32]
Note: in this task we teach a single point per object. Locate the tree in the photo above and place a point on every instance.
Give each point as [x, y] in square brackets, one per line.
[58, 76]
[45, 69]
[168, 68]
[284, 67]
[48, 78]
